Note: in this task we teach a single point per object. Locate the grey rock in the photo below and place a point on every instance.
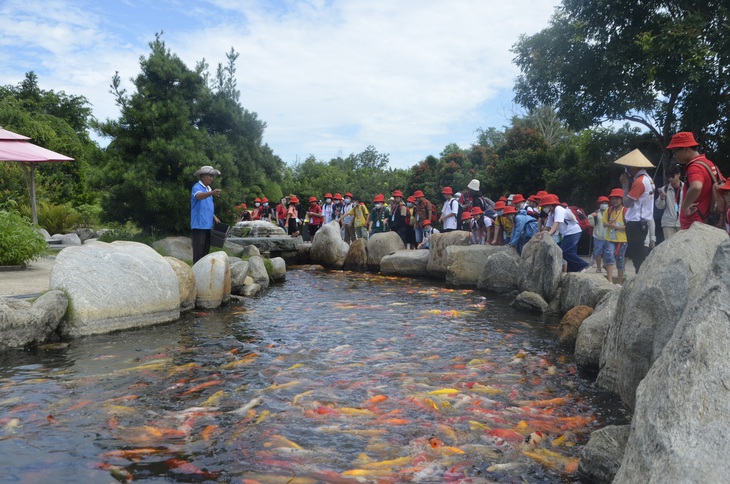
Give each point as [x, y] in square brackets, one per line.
[257, 270]
[250, 290]
[232, 248]
[67, 239]
[85, 234]
[601, 457]
[541, 267]
[680, 431]
[530, 301]
[250, 250]
[380, 245]
[178, 247]
[465, 264]
[23, 323]
[303, 253]
[437, 261]
[592, 332]
[44, 233]
[239, 273]
[115, 286]
[582, 289]
[186, 283]
[651, 304]
[278, 269]
[357, 256]
[256, 228]
[328, 248]
[212, 280]
[500, 272]
[408, 263]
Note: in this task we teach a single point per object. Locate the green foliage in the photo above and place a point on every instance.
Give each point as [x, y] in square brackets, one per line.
[88, 215]
[176, 121]
[127, 232]
[657, 63]
[20, 241]
[57, 219]
[56, 121]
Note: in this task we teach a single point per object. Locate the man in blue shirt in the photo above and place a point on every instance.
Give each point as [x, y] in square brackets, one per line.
[201, 211]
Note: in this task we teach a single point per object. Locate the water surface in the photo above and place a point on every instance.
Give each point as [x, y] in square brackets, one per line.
[329, 377]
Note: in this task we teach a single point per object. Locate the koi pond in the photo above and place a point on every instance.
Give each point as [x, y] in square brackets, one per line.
[330, 377]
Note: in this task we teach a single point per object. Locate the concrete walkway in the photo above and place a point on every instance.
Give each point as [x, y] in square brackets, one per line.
[30, 282]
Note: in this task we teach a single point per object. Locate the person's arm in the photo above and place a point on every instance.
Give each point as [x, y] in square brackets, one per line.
[495, 229]
[689, 204]
[205, 194]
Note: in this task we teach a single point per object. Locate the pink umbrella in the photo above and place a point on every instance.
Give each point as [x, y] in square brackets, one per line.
[15, 147]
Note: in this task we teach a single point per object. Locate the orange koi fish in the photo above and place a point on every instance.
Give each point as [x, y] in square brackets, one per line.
[203, 386]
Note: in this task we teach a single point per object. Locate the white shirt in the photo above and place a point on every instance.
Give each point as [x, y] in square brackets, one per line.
[642, 193]
[450, 223]
[567, 225]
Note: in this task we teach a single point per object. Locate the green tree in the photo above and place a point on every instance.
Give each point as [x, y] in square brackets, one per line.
[176, 121]
[662, 64]
[56, 121]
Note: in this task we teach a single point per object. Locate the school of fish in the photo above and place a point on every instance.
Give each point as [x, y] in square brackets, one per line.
[332, 377]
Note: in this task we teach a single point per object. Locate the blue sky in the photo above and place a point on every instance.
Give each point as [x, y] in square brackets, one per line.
[328, 77]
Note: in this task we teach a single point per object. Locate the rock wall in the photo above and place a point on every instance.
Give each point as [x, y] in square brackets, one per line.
[651, 304]
[541, 268]
[437, 259]
[680, 431]
[465, 264]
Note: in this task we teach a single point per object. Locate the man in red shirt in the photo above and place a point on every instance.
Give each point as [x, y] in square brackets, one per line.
[697, 196]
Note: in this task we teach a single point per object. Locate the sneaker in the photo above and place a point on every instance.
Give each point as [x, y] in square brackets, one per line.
[585, 269]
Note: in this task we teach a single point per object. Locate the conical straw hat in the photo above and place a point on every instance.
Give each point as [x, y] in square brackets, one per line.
[636, 159]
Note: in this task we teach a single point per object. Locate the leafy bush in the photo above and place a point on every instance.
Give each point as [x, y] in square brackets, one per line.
[89, 215]
[57, 219]
[127, 232]
[20, 241]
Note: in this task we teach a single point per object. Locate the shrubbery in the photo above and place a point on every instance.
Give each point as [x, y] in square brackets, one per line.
[20, 241]
[57, 219]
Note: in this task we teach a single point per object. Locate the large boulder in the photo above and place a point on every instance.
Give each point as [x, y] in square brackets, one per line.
[501, 272]
[177, 247]
[380, 245]
[530, 301]
[278, 269]
[465, 264]
[257, 271]
[592, 332]
[437, 252]
[541, 267]
[583, 289]
[239, 273]
[410, 263]
[601, 457]
[328, 248]
[357, 256]
[234, 249]
[23, 323]
[257, 228]
[186, 283]
[212, 280]
[250, 251]
[115, 286]
[303, 253]
[651, 304]
[680, 430]
[573, 319]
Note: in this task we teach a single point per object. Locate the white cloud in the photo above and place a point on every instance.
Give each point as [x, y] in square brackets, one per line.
[329, 78]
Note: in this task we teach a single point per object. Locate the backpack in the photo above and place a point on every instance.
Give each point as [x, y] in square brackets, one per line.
[459, 210]
[434, 215]
[581, 219]
[715, 216]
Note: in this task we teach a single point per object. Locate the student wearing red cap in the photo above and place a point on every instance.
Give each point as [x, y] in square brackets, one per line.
[428, 231]
[562, 220]
[615, 223]
[292, 216]
[378, 219]
[599, 232]
[424, 210]
[256, 212]
[399, 216]
[328, 209]
[699, 176]
[449, 211]
[481, 227]
[315, 216]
